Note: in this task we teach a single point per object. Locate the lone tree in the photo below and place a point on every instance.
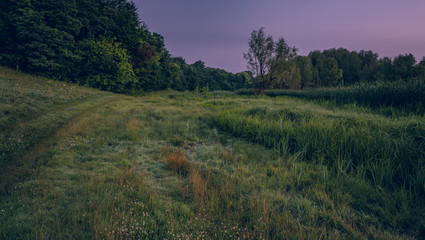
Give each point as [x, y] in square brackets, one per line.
[265, 57]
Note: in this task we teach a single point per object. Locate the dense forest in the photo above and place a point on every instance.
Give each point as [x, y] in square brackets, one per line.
[99, 43]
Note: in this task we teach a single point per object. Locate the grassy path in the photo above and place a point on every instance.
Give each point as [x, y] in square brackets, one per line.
[30, 119]
[20, 154]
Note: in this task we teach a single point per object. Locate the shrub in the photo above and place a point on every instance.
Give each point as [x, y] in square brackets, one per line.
[245, 92]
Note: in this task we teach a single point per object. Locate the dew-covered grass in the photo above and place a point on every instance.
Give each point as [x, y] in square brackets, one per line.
[172, 165]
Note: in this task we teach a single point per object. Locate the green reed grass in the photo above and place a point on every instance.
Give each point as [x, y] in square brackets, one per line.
[387, 153]
[389, 98]
[389, 148]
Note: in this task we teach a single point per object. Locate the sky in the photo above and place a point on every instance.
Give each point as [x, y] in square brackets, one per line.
[217, 31]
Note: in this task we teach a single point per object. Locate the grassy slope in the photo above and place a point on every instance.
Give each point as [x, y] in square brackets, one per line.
[80, 163]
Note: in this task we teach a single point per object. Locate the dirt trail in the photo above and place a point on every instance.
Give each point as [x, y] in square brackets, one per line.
[23, 165]
[36, 117]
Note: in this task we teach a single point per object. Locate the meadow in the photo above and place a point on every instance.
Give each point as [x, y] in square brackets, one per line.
[78, 163]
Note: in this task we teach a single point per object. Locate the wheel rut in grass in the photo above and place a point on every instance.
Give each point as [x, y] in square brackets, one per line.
[27, 119]
[23, 155]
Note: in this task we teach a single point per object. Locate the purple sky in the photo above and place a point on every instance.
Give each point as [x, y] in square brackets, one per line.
[217, 31]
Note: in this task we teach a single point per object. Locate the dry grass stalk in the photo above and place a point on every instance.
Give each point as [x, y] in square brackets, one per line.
[177, 162]
[199, 187]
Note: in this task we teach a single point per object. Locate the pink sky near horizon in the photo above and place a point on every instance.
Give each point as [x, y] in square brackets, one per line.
[217, 32]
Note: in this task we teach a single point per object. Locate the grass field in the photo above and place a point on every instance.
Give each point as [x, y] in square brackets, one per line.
[78, 163]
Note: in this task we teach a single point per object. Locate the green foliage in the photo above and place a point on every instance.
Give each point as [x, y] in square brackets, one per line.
[260, 53]
[196, 75]
[7, 35]
[269, 62]
[329, 72]
[107, 66]
[45, 33]
[305, 67]
[275, 65]
[176, 77]
[245, 92]
[290, 77]
[404, 66]
[361, 67]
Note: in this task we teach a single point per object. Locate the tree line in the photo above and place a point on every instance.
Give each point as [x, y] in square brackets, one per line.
[104, 44]
[99, 43]
[276, 65]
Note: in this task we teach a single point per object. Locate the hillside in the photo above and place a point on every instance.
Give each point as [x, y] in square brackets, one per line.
[79, 163]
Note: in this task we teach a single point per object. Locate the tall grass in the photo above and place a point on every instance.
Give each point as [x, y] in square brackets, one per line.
[408, 97]
[389, 154]
[386, 151]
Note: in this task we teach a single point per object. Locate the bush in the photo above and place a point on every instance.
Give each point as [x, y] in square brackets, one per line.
[245, 92]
